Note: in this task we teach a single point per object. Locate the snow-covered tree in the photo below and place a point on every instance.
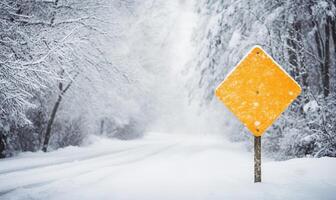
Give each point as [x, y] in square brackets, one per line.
[63, 65]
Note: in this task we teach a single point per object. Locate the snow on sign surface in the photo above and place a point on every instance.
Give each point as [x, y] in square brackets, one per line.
[257, 91]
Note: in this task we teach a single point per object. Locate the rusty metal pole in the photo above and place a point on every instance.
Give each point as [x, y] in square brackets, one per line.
[257, 159]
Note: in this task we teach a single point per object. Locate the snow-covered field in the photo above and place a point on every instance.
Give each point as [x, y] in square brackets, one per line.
[162, 167]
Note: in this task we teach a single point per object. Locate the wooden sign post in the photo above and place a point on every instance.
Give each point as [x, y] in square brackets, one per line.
[257, 91]
[257, 159]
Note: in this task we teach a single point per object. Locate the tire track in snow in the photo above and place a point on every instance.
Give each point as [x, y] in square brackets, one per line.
[93, 168]
[94, 156]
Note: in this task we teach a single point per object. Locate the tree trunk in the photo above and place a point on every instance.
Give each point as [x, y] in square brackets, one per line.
[333, 33]
[301, 69]
[326, 63]
[2, 145]
[319, 47]
[292, 47]
[102, 126]
[53, 113]
[50, 123]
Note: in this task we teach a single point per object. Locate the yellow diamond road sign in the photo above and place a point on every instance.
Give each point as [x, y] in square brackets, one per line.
[257, 91]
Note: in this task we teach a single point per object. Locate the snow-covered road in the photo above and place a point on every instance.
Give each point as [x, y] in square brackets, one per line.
[162, 167]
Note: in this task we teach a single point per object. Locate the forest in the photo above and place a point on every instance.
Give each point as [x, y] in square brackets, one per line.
[72, 68]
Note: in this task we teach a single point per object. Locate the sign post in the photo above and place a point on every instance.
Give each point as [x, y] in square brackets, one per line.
[257, 159]
[257, 91]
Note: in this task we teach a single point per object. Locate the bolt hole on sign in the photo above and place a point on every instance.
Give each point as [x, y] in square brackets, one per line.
[257, 91]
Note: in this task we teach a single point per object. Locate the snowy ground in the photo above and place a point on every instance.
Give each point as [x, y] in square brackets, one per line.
[162, 167]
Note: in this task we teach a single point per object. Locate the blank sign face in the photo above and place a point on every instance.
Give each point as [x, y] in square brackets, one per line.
[257, 91]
